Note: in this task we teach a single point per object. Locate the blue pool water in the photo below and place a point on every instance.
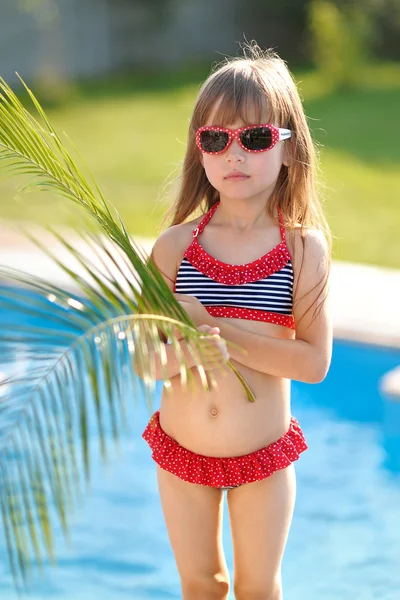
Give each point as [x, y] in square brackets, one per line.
[344, 542]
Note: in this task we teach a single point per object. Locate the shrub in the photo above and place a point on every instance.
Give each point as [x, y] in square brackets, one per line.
[340, 41]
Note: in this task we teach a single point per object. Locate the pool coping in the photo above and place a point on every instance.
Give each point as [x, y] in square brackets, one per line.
[362, 297]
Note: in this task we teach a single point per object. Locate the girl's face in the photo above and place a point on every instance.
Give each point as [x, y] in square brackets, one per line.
[242, 175]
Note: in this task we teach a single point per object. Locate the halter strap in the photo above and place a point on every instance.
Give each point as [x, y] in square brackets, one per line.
[281, 226]
[200, 228]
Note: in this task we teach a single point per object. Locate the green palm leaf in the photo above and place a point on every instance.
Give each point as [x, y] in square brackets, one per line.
[78, 377]
[79, 362]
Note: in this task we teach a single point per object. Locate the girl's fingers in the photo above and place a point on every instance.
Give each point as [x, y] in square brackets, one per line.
[213, 352]
[215, 342]
[216, 348]
[209, 330]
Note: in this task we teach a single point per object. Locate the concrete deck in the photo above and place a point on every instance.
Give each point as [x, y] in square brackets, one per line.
[365, 300]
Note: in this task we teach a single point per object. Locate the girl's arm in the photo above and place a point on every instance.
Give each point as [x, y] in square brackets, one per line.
[214, 356]
[213, 349]
[305, 358]
[172, 366]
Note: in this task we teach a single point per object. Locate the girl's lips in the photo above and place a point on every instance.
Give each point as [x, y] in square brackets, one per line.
[237, 175]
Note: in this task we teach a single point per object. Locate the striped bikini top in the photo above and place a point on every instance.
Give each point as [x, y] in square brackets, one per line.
[259, 291]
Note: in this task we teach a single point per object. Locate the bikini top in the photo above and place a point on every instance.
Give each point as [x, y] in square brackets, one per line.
[259, 291]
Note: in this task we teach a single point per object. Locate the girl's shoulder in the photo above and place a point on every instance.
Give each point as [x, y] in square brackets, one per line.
[308, 248]
[301, 238]
[170, 246]
[177, 237]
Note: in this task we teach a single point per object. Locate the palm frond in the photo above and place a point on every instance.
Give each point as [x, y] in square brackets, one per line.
[78, 364]
[32, 146]
[79, 380]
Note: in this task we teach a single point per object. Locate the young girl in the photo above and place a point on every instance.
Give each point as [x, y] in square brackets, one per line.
[252, 270]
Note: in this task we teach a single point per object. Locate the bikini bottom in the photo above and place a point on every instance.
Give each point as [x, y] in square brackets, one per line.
[223, 473]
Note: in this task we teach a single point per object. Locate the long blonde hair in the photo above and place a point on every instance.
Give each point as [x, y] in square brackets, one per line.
[258, 81]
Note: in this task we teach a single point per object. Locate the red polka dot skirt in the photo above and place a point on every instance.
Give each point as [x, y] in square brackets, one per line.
[223, 472]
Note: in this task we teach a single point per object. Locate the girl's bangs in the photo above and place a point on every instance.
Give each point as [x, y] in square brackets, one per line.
[245, 100]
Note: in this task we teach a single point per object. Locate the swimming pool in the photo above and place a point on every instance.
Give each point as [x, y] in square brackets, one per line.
[343, 542]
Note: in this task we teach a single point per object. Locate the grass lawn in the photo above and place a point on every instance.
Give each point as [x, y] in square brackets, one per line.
[132, 135]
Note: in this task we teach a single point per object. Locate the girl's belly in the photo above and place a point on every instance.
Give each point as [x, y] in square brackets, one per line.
[223, 422]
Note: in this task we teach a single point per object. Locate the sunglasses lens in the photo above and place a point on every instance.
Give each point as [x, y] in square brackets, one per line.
[257, 138]
[213, 141]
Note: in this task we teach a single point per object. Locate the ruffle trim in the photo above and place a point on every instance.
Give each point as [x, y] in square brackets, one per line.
[270, 263]
[223, 472]
[252, 315]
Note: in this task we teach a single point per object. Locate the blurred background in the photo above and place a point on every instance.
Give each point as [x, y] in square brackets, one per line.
[120, 76]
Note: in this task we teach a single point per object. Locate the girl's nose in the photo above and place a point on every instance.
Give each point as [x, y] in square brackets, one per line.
[235, 154]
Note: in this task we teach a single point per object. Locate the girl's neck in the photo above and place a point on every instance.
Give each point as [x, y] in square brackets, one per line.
[243, 215]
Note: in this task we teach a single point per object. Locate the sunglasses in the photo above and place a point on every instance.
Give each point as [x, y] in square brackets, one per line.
[253, 138]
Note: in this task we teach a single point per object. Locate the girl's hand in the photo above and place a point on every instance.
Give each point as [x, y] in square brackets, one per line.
[214, 351]
[193, 307]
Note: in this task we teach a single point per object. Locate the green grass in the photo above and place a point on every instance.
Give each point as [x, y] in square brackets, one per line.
[360, 154]
[359, 132]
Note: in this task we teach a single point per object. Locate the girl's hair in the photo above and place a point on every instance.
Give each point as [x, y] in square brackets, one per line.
[257, 83]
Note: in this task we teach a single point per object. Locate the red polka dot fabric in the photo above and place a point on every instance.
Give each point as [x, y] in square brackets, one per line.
[223, 472]
[228, 274]
[261, 290]
[266, 265]
[235, 312]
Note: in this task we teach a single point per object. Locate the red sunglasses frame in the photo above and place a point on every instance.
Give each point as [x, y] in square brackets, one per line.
[278, 134]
